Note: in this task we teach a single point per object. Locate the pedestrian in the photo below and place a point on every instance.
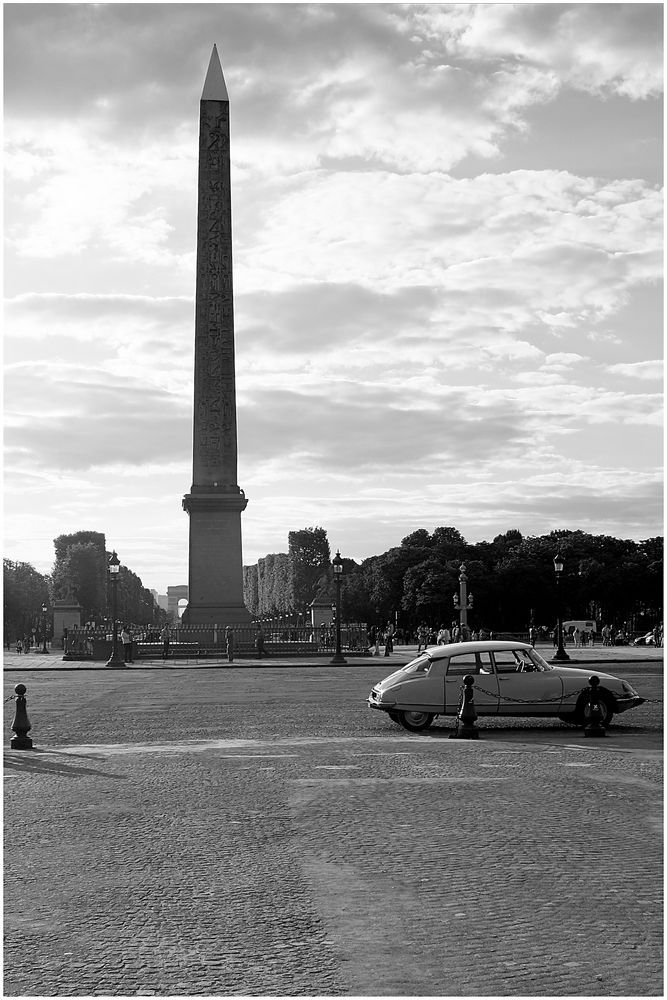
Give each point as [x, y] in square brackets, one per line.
[422, 637]
[126, 639]
[165, 636]
[389, 639]
[456, 634]
[444, 636]
[532, 635]
[19, 646]
[259, 642]
[229, 643]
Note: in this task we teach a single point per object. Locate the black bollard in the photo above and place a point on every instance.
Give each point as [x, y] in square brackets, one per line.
[594, 726]
[465, 720]
[21, 724]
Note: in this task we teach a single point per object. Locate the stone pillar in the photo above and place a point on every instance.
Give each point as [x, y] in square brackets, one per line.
[66, 615]
[215, 501]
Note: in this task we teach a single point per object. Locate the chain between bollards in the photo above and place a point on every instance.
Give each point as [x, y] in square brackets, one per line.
[465, 720]
[21, 724]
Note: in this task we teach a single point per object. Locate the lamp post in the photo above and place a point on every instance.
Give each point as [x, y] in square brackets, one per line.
[337, 564]
[45, 612]
[463, 602]
[560, 654]
[115, 659]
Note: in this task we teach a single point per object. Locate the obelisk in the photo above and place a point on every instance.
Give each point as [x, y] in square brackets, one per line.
[215, 500]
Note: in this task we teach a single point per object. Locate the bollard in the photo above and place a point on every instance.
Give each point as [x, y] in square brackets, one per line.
[21, 724]
[594, 727]
[465, 720]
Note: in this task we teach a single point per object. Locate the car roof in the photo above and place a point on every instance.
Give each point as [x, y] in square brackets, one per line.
[480, 646]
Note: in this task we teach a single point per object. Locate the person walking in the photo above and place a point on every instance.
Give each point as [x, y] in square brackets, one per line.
[444, 636]
[422, 637]
[259, 642]
[229, 643]
[389, 639]
[165, 635]
[126, 639]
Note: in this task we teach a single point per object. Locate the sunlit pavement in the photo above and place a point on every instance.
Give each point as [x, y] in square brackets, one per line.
[235, 832]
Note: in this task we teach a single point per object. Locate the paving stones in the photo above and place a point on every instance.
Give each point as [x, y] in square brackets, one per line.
[281, 860]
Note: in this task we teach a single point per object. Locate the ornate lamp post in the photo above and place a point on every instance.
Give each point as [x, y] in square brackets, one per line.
[463, 602]
[115, 660]
[45, 612]
[560, 653]
[337, 564]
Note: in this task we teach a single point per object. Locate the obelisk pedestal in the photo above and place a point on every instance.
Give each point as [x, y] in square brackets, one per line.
[215, 501]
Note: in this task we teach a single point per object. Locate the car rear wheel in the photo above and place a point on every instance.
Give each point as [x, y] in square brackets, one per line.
[415, 721]
[606, 710]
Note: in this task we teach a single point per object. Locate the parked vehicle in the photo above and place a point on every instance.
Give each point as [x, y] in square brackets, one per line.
[510, 678]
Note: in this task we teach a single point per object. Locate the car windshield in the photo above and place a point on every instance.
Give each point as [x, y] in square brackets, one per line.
[539, 661]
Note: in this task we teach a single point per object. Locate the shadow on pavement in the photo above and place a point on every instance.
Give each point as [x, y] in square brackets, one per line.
[36, 761]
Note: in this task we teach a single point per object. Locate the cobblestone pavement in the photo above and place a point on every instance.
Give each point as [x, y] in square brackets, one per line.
[261, 832]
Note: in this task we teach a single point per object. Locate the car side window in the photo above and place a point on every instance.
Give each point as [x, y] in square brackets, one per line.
[469, 663]
[508, 661]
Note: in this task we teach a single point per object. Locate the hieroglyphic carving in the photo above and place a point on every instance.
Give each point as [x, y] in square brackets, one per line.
[215, 388]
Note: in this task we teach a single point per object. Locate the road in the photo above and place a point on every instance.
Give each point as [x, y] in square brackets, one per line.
[259, 831]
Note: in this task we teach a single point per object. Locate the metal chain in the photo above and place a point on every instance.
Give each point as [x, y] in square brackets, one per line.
[530, 701]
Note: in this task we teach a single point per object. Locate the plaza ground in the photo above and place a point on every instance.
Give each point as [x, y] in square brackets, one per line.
[257, 830]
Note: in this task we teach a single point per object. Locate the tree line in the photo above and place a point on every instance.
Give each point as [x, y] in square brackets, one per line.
[80, 574]
[512, 579]
[611, 580]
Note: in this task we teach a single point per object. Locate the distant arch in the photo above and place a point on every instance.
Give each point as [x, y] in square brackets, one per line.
[174, 596]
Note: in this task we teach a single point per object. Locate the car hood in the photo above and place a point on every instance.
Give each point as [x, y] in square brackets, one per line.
[582, 674]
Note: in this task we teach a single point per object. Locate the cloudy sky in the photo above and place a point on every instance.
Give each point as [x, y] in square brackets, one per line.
[447, 269]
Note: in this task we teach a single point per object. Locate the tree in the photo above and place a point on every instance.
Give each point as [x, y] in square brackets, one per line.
[81, 574]
[24, 592]
[80, 571]
[309, 560]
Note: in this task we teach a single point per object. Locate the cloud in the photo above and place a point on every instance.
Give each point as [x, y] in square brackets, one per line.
[601, 48]
[62, 417]
[644, 370]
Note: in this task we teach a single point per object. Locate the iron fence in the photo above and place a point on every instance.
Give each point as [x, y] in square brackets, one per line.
[199, 641]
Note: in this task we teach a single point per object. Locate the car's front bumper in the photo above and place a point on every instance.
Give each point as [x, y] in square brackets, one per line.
[623, 704]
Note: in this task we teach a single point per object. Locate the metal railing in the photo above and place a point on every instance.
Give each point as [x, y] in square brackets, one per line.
[200, 641]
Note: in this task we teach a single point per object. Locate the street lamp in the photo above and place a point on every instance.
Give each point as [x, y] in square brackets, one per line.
[337, 564]
[45, 612]
[560, 653]
[114, 569]
[463, 602]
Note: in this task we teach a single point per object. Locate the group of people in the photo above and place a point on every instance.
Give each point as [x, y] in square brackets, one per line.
[25, 643]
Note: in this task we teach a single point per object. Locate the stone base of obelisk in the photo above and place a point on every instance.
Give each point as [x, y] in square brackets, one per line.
[215, 587]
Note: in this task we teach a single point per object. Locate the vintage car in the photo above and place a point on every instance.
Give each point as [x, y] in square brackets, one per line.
[510, 678]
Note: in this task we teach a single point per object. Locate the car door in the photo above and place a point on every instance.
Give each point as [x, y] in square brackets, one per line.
[485, 688]
[525, 691]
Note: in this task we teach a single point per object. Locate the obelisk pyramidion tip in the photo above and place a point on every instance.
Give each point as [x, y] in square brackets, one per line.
[214, 84]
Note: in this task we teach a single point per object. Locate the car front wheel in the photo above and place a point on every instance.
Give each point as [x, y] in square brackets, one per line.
[606, 710]
[415, 721]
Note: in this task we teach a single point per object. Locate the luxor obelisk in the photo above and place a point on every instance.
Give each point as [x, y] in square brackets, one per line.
[215, 500]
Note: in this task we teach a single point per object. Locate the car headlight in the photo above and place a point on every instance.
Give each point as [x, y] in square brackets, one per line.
[628, 689]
